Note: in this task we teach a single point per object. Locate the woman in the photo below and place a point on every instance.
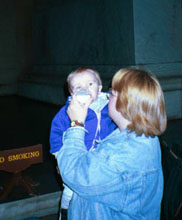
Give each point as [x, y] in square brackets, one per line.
[122, 178]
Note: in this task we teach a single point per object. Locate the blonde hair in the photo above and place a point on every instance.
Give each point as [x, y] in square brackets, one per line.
[141, 101]
[82, 70]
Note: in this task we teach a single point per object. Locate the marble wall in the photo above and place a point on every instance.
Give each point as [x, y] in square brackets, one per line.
[44, 40]
[16, 55]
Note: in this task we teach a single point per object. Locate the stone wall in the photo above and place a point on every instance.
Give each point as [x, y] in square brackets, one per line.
[15, 43]
[43, 41]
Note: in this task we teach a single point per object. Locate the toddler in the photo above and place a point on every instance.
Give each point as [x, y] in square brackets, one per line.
[85, 84]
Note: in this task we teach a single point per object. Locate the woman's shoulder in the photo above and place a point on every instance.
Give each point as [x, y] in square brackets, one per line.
[130, 140]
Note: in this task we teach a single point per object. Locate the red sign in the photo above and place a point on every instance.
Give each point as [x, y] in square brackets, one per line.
[19, 159]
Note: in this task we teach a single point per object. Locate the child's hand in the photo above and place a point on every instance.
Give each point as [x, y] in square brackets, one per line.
[77, 111]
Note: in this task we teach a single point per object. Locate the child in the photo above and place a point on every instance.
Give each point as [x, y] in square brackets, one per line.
[98, 124]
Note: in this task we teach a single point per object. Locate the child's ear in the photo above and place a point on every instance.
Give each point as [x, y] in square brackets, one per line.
[71, 91]
[100, 88]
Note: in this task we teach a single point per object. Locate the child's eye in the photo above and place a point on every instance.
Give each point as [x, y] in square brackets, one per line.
[90, 83]
[77, 88]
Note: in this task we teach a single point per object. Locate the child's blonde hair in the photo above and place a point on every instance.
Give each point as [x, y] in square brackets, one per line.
[82, 70]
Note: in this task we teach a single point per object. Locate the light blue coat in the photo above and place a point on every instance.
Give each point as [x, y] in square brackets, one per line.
[121, 180]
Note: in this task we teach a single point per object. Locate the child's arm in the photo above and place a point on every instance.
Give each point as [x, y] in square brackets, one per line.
[60, 123]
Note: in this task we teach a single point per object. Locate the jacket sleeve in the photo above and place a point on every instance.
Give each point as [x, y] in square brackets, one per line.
[59, 125]
[87, 173]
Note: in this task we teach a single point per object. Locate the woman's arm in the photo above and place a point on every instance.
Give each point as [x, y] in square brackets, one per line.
[87, 173]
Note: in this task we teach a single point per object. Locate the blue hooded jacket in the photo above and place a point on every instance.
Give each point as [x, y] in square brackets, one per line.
[98, 124]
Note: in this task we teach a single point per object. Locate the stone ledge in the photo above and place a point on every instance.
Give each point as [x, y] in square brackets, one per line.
[54, 94]
[51, 89]
[8, 89]
[171, 83]
[38, 206]
[172, 87]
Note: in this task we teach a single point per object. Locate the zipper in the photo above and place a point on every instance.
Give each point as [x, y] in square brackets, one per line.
[98, 114]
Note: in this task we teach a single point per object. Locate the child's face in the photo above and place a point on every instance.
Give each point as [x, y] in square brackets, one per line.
[85, 80]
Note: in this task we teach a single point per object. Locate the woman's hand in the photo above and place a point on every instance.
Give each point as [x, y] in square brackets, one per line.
[77, 111]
